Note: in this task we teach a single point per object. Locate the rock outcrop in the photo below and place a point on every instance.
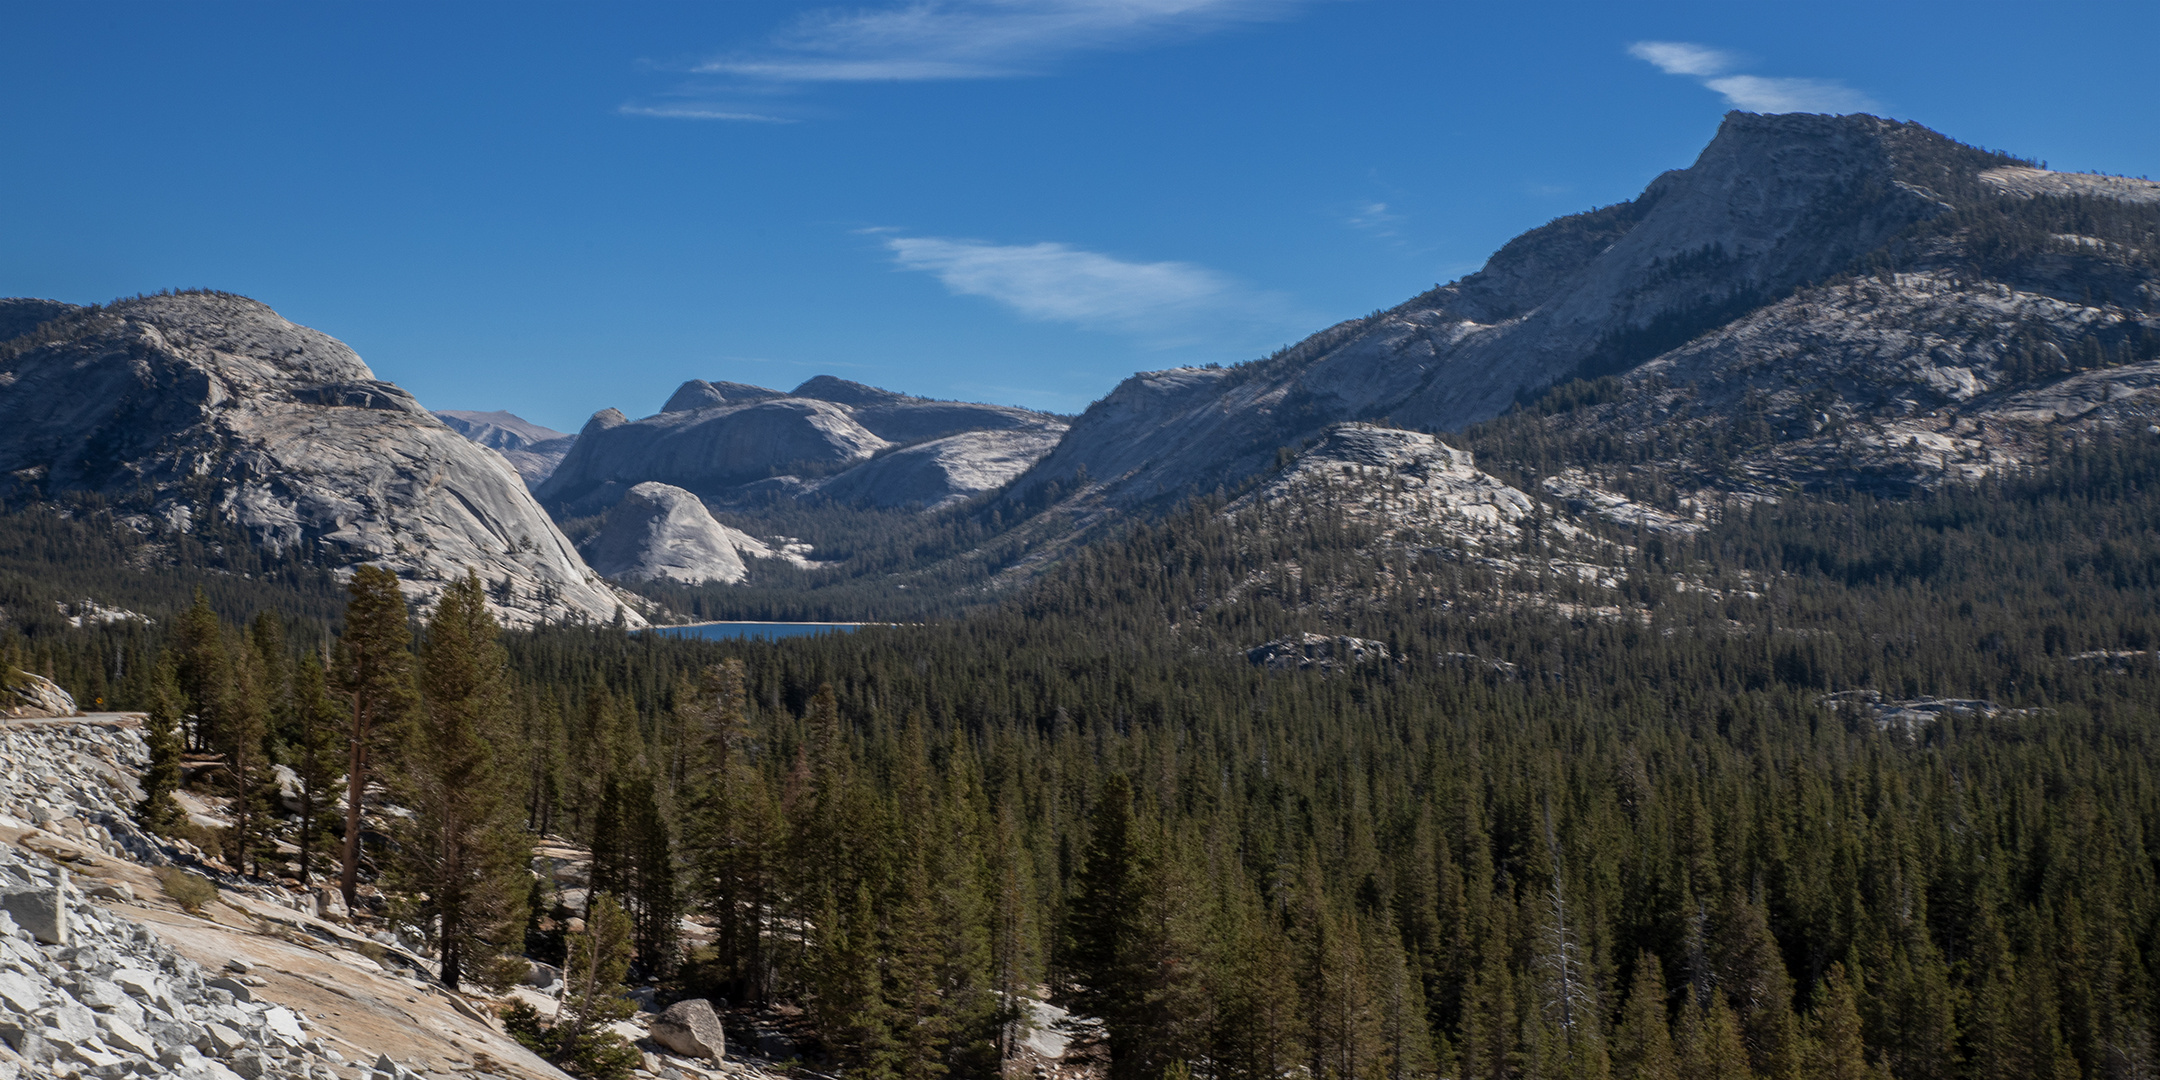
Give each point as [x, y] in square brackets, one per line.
[532, 450]
[184, 408]
[662, 532]
[1308, 652]
[732, 443]
[24, 696]
[1404, 478]
[1710, 282]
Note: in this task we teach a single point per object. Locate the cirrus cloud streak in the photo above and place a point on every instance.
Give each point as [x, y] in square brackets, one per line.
[1753, 93]
[1164, 304]
[971, 39]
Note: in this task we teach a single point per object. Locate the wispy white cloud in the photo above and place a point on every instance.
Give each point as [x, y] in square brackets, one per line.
[1375, 218]
[1164, 303]
[702, 112]
[972, 39]
[932, 40]
[1682, 58]
[1754, 93]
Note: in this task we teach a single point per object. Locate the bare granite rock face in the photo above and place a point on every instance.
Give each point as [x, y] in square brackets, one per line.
[25, 696]
[733, 443]
[184, 408]
[662, 532]
[942, 472]
[532, 450]
[1406, 479]
[1712, 282]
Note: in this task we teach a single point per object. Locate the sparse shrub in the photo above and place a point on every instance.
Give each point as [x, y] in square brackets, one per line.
[190, 890]
[594, 1053]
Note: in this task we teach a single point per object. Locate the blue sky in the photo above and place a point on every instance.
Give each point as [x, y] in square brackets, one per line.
[554, 208]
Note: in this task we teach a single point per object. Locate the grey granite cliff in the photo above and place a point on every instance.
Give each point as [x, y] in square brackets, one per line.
[177, 409]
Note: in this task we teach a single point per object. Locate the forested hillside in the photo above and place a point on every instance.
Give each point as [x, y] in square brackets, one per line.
[1573, 828]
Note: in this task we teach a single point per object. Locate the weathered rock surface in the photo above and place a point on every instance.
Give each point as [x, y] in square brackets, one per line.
[692, 1029]
[1306, 652]
[23, 695]
[497, 429]
[2030, 182]
[664, 532]
[1702, 293]
[1412, 499]
[199, 406]
[532, 450]
[1406, 478]
[729, 443]
[155, 992]
[944, 471]
[699, 394]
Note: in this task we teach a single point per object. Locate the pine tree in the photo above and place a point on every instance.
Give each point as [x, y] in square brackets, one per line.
[1130, 957]
[1013, 958]
[202, 671]
[1099, 919]
[579, 1039]
[316, 728]
[1405, 1048]
[731, 831]
[1259, 1015]
[1345, 1024]
[158, 812]
[1709, 1046]
[240, 739]
[1489, 1026]
[654, 891]
[463, 847]
[922, 1026]
[849, 1001]
[1835, 1049]
[1751, 973]
[1642, 1044]
[375, 674]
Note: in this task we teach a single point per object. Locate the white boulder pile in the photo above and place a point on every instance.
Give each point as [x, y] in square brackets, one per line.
[77, 780]
[85, 993]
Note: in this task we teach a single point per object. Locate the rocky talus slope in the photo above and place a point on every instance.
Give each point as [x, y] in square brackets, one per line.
[1852, 289]
[828, 438]
[103, 976]
[179, 409]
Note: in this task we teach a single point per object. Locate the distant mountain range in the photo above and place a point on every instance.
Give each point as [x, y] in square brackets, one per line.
[1816, 301]
[1868, 299]
[829, 438]
[532, 450]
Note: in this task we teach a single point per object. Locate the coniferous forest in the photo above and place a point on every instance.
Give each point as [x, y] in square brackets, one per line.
[1648, 828]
